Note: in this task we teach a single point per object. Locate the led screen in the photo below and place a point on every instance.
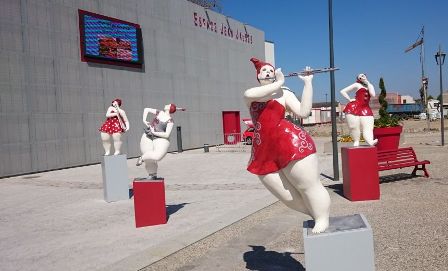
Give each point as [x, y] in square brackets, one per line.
[109, 39]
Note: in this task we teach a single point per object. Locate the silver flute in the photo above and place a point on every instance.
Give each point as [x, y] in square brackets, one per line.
[308, 72]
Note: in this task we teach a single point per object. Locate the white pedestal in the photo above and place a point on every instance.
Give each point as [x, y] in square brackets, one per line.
[115, 178]
[347, 245]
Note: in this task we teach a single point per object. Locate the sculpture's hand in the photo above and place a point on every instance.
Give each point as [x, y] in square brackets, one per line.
[279, 75]
[352, 100]
[148, 124]
[306, 78]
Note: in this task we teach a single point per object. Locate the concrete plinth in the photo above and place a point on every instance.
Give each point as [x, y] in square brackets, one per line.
[115, 178]
[347, 245]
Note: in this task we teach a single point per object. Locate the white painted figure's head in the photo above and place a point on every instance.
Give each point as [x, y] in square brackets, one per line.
[265, 71]
[361, 78]
[170, 108]
[116, 103]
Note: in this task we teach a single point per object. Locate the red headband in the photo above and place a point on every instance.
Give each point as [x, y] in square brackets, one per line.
[172, 108]
[259, 64]
[118, 101]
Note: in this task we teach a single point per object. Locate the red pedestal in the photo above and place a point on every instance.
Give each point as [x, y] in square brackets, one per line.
[360, 173]
[149, 202]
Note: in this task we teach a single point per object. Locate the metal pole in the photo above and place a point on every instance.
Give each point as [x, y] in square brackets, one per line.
[424, 86]
[179, 139]
[442, 126]
[334, 136]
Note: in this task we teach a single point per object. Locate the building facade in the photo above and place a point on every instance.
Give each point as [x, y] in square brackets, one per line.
[52, 103]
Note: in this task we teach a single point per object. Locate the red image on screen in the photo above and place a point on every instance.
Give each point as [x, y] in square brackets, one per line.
[115, 48]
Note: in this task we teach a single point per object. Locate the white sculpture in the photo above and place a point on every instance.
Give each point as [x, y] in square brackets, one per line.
[115, 125]
[358, 113]
[283, 154]
[155, 142]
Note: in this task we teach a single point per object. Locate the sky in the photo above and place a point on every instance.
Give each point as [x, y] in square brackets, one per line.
[369, 37]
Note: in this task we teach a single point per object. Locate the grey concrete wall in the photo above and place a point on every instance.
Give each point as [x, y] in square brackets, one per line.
[52, 104]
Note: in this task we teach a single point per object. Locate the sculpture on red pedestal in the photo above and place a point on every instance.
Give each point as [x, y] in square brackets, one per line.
[155, 142]
[115, 125]
[283, 154]
[357, 112]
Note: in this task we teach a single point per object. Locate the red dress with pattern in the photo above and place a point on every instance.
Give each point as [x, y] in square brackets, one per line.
[360, 107]
[276, 141]
[111, 125]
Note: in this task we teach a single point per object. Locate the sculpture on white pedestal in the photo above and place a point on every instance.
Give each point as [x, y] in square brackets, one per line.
[283, 154]
[155, 141]
[112, 129]
[358, 112]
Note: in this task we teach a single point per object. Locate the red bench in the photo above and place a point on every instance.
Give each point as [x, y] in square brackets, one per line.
[400, 158]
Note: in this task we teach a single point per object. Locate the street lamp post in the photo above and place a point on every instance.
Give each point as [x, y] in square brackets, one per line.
[334, 136]
[440, 59]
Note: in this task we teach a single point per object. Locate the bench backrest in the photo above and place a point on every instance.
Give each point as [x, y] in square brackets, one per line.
[399, 156]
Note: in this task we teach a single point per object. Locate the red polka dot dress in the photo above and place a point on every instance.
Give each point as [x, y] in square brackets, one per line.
[111, 125]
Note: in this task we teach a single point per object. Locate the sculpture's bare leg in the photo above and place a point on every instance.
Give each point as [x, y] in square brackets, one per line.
[305, 177]
[105, 138]
[282, 189]
[354, 126]
[367, 123]
[117, 143]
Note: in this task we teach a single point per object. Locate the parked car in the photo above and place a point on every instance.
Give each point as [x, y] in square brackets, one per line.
[248, 135]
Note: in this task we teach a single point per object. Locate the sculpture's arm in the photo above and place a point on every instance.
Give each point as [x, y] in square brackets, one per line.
[303, 108]
[264, 92]
[344, 91]
[146, 111]
[109, 112]
[371, 89]
[166, 134]
[125, 119]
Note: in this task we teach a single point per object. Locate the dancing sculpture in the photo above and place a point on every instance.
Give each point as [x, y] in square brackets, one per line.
[155, 141]
[283, 154]
[115, 125]
[358, 113]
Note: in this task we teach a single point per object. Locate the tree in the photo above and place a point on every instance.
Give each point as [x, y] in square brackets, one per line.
[385, 119]
[430, 97]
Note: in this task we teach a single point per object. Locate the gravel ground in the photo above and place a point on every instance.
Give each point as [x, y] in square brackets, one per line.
[409, 223]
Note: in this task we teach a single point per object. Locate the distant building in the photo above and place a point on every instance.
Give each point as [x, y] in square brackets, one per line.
[391, 98]
[321, 113]
[269, 52]
[445, 99]
[406, 99]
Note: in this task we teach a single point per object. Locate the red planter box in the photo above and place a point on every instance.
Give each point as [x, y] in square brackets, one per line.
[360, 173]
[149, 202]
[388, 138]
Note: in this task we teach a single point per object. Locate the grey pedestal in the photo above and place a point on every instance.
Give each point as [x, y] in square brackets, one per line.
[115, 178]
[347, 245]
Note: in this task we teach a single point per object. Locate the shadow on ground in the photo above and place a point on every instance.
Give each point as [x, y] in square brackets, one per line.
[173, 208]
[338, 188]
[260, 259]
[397, 177]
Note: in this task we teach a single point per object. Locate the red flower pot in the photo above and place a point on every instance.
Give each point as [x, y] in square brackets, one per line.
[388, 137]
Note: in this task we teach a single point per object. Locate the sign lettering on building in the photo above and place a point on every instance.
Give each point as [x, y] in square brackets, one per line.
[223, 29]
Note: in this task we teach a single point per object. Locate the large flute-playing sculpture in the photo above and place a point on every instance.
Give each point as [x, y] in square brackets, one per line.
[358, 113]
[283, 154]
[155, 142]
[115, 125]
